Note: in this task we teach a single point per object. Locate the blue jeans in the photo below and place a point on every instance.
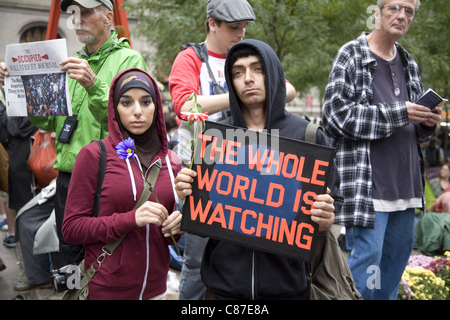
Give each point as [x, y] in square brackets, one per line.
[191, 284]
[379, 255]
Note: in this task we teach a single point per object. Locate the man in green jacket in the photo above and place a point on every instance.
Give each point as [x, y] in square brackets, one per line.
[90, 75]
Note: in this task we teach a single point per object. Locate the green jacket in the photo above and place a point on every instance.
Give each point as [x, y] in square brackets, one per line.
[91, 105]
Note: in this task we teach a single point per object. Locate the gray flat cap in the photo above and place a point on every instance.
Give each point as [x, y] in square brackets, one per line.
[230, 11]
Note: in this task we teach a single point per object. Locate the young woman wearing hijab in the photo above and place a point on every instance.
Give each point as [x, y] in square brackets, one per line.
[138, 267]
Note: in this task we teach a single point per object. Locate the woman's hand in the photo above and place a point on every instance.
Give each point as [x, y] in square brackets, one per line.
[172, 223]
[322, 211]
[151, 212]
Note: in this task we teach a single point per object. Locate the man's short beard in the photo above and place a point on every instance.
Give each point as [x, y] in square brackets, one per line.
[86, 39]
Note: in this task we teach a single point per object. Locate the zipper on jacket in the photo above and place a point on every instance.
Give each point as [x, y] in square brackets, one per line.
[253, 275]
[147, 238]
[144, 284]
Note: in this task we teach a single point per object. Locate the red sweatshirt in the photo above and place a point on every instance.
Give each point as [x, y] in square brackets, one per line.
[138, 267]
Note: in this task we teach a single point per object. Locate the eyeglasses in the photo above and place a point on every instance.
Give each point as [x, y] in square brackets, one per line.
[396, 8]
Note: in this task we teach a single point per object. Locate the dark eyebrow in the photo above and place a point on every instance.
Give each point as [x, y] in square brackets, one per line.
[241, 66]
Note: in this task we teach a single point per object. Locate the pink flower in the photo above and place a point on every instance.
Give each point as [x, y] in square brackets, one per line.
[190, 116]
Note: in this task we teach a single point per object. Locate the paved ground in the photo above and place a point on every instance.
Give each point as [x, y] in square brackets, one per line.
[14, 273]
[9, 276]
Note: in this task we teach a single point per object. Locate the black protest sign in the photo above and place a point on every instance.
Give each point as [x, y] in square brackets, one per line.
[256, 189]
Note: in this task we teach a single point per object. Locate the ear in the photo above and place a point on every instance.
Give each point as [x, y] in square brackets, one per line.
[377, 16]
[109, 18]
[212, 24]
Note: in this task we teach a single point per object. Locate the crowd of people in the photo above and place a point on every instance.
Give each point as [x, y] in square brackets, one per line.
[46, 94]
[368, 117]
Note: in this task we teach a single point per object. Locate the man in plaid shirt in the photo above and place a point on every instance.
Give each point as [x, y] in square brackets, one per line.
[370, 119]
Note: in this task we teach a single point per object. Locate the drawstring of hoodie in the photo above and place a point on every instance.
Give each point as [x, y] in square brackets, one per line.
[133, 183]
[130, 171]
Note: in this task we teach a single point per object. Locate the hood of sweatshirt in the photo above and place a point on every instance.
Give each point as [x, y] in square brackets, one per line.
[115, 133]
[275, 84]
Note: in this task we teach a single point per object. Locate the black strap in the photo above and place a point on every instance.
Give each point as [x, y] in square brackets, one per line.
[198, 48]
[202, 52]
[101, 176]
[310, 132]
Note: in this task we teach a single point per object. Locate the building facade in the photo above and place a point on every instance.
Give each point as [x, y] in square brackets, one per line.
[26, 21]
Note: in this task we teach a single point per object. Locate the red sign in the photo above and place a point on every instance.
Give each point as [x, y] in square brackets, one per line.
[308, 101]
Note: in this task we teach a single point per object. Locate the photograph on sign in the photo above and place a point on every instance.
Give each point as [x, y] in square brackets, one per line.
[256, 190]
[45, 94]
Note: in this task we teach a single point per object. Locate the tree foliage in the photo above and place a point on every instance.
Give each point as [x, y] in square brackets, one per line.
[305, 34]
[428, 41]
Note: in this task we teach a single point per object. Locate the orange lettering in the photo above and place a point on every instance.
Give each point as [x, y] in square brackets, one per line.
[252, 193]
[269, 201]
[317, 172]
[233, 210]
[298, 195]
[277, 162]
[217, 149]
[286, 232]
[301, 165]
[262, 225]
[231, 152]
[294, 165]
[244, 220]
[308, 198]
[240, 188]
[204, 138]
[198, 211]
[205, 180]
[219, 183]
[218, 216]
[307, 238]
[275, 229]
[255, 159]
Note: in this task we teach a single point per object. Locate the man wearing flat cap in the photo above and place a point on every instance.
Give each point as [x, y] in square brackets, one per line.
[90, 73]
[226, 22]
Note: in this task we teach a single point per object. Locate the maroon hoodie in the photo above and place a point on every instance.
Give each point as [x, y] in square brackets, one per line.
[138, 267]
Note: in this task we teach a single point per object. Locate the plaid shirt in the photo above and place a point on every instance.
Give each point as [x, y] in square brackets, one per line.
[351, 122]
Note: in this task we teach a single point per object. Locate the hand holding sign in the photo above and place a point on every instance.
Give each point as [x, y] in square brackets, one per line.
[183, 182]
[322, 211]
[79, 70]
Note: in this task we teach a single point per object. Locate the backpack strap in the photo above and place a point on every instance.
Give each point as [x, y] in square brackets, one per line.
[199, 48]
[101, 176]
[202, 52]
[310, 132]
